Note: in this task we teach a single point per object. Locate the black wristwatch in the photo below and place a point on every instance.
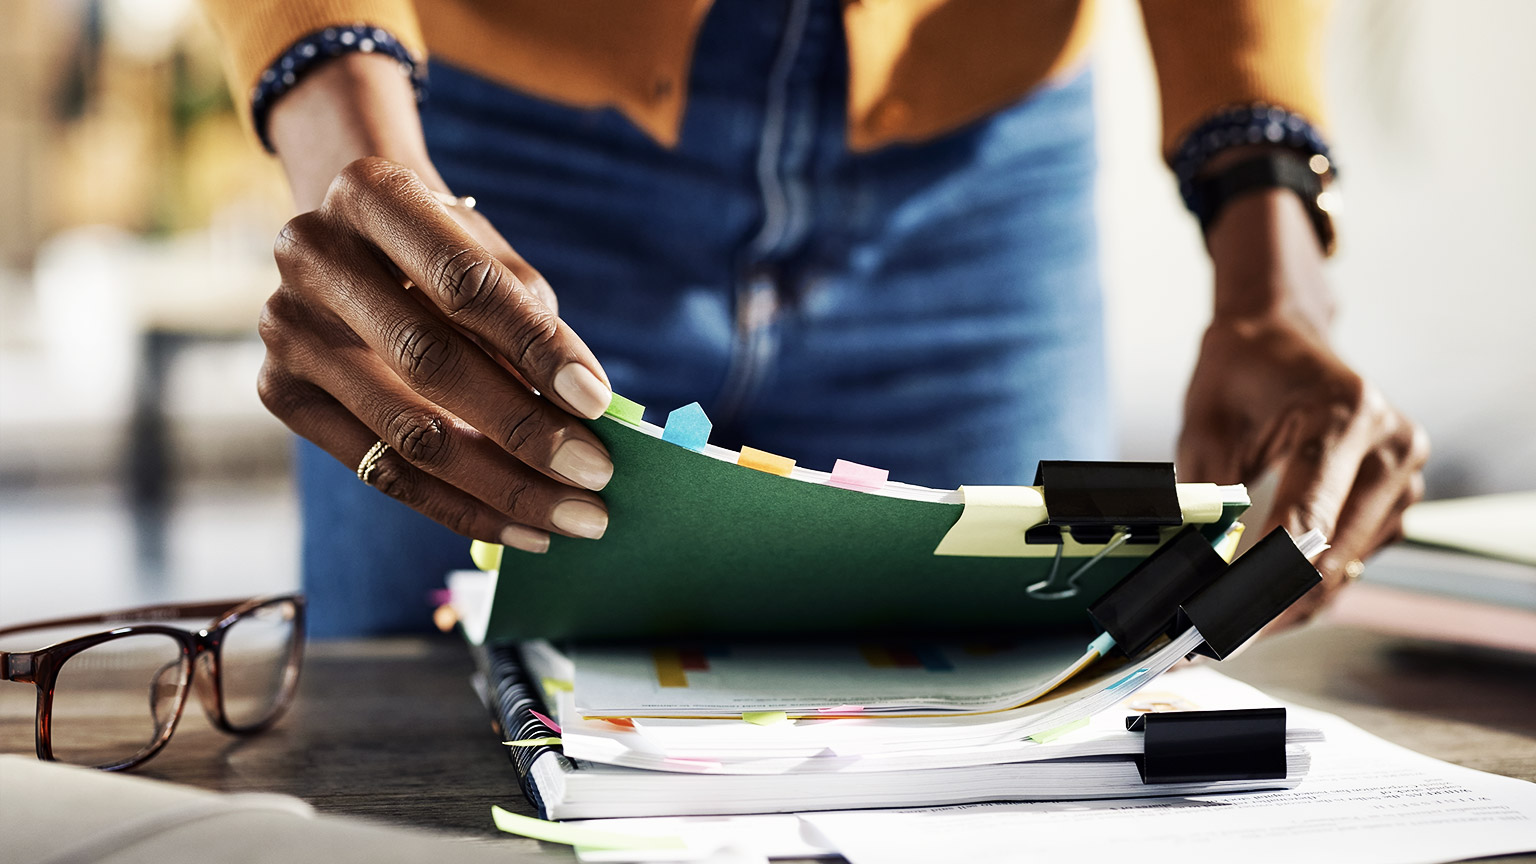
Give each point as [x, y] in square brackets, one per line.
[1308, 176]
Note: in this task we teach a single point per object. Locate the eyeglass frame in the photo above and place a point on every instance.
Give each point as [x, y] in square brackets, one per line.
[41, 667]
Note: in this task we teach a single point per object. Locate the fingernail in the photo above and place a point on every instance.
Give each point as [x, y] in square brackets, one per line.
[582, 464]
[525, 538]
[580, 518]
[582, 391]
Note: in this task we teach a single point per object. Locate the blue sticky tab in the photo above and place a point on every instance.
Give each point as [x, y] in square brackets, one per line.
[687, 427]
[1102, 645]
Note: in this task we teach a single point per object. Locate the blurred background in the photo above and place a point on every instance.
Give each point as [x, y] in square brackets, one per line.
[136, 462]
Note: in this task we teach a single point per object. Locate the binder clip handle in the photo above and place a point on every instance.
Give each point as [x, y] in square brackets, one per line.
[1055, 587]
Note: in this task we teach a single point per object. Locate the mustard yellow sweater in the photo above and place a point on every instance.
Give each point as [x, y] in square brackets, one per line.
[917, 68]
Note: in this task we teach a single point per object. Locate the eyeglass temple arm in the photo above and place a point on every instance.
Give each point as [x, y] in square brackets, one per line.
[165, 612]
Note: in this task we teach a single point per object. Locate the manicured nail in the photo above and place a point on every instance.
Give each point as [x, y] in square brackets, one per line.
[582, 464]
[582, 391]
[580, 518]
[525, 538]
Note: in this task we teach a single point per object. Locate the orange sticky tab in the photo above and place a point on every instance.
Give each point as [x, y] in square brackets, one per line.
[766, 462]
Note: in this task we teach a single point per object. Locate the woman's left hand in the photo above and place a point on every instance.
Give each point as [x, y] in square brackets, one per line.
[1268, 393]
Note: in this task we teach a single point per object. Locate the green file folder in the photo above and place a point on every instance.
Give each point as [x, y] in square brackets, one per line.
[700, 547]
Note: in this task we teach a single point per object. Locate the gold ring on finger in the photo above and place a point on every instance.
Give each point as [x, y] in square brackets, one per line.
[1353, 569]
[371, 461]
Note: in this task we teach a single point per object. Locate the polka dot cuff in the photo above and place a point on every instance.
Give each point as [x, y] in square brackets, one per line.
[1239, 126]
[316, 48]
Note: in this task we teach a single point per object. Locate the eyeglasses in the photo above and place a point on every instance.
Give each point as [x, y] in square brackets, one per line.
[112, 699]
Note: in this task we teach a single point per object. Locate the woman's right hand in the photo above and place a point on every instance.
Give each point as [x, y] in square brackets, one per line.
[395, 322]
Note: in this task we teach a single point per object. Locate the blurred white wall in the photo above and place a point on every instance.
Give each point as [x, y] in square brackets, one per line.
[1433, 126]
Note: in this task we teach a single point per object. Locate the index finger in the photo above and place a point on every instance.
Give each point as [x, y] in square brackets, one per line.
[394, 211]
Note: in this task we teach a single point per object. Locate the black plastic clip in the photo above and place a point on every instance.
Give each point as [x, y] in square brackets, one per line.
[1260, 584]
[1145, 603]
[1097, 500]
[1207, 746]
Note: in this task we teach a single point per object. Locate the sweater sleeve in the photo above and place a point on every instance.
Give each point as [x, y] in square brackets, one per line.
[1212, 54]
[255, 33]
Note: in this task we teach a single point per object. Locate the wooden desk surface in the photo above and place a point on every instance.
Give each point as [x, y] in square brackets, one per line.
[391, 730]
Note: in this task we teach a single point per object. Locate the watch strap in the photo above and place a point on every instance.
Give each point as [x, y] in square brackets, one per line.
[1280, 169]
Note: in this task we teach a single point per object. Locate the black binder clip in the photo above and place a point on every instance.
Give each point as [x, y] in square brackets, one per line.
[1145, 603]
[1101, 503]
[1097, 500]
[1208, 746]
[1259, 585]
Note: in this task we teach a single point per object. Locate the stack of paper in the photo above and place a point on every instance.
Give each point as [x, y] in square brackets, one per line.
[1072, 744]
[1364, 801]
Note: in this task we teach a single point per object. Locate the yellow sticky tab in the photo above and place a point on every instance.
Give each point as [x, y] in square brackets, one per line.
[993, 523]
[487, 556]
[578, 835]
[1050, 735]
[1226, 547]
[1200, 502]
[764, 718]
[534, 742]
[556, 685]
[766, 462]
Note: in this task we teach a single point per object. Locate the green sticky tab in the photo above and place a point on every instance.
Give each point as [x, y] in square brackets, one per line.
[627, 410]
[578, 835]
[1050, 735]
[534, 742]
[764, 718]
[487, 556]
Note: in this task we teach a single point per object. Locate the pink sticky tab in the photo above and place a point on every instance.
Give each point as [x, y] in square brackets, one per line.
[842, 709]
[698, 764]
[852, 475]
[553, 726]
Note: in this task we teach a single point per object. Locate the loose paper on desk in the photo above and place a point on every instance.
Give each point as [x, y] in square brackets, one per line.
[1365, 801]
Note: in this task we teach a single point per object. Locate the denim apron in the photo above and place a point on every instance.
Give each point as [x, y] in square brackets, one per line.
[931, 309]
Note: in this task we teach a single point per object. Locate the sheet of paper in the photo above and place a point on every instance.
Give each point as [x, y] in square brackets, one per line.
[1365, 801]
[873, 675]
[771, 835]
[1498, 525]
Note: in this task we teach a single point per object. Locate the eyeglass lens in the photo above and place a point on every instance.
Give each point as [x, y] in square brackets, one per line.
[18, 717]
[115, 700]
[255, 663]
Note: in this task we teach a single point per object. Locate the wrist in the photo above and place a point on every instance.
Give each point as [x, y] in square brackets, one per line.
[1268, 264]
[353, 106]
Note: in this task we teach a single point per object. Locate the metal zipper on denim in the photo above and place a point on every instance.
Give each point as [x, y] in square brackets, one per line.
[757, 289]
